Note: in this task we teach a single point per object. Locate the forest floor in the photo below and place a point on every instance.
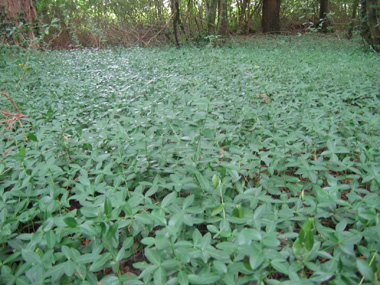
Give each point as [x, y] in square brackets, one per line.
[257, 161]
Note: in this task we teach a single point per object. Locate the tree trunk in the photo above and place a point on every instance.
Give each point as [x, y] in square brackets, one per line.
[271, 16]
[242, 14]
[211, 6]
[196, 16]
[175, 15]
[353, 19]
[364, 29]
[323, 11]
[222, 18]
[180, 24]
[373, 24]
[14, 8]
[368, 21]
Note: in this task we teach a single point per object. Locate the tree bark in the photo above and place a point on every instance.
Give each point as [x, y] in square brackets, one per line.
[195, 16]
[175, 14]
[222, 18]
[211, 6]
[180, 24]
[242, 13]
[353, 19]
[368, 20]
[271, 16]
[364, 29]
[323, 12]
[373, 24]
[14, 7]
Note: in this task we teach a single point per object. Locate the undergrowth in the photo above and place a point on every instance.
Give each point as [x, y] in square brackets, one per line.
[250, 163]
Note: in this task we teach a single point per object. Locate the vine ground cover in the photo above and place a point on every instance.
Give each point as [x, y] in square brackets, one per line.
[250, 163]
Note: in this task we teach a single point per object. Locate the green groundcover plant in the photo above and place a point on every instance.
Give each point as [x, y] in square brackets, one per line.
[246, 164]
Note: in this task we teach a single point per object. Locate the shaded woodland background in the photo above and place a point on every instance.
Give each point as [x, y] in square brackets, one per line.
[100, 23]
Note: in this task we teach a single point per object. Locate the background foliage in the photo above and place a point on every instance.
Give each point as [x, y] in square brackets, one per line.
[96, 23]
[192, 165]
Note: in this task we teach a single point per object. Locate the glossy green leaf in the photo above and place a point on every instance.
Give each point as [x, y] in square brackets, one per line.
[182, 278]
[84, 181]
[153, 256]
[31, 256]
[148, 241]
[169, 199]
[365, 269]
[280, 266]
[99, 263]
[107, 207]
[69, 268]
[270, 240]
[215, 181]
[238, 212]
[50, 239]
[143, 218]
[160, 275]
[208, 278]
[71, 222]
[89, 212]
[32, 137]
[217, 209]
[220, 266]
[20, 156]
[177, 219]
[159, 217]
[256, 259]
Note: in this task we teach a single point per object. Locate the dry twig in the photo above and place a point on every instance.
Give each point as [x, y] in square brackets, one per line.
[164, 27]
[12, 118]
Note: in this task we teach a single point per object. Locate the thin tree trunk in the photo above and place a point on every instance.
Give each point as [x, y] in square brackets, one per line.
[271, 16]
[353, 19]
[222, 18]
[187, 20]
[175, 15]
[188, 13]
[176, 4]
[211, 6]
[323, 12]
[373, 24]
[364, 28]
[201, 13]
[242, 13]
[195, 16]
